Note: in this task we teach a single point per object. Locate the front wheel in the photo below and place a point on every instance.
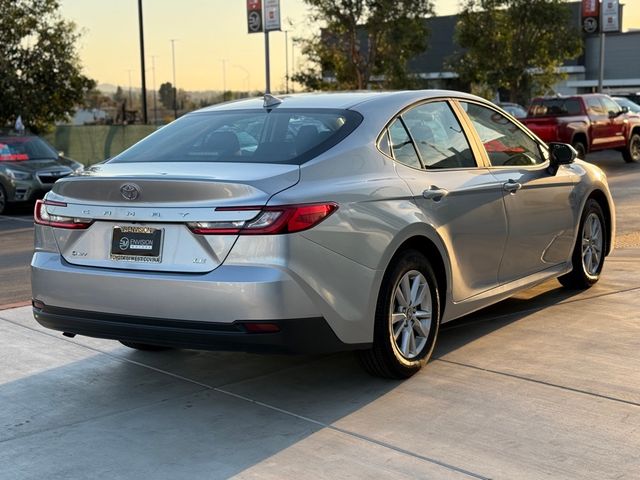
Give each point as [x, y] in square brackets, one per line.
[631, 153]
[3, 199]
[407, 319]
[581, 148]
[589, 251]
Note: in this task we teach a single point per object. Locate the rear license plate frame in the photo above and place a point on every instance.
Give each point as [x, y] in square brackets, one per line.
[133, 243]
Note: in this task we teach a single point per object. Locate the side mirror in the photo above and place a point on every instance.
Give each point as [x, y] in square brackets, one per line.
[61, 153]
[624, 110]
[561, 154]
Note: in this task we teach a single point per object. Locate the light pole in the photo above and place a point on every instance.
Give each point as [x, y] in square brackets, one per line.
[286, 60]
[224, 77]
[142, 72]
[130, 99]
[248, 77]
[155, 104]
[175, 88]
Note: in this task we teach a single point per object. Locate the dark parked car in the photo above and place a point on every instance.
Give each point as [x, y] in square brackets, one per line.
[29, 166]
[588, 122]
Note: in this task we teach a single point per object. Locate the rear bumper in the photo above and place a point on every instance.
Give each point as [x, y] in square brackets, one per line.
[201, 311]
[301, 335]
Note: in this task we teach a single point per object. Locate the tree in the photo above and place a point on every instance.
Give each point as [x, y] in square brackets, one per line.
[362, 40]
[516, 45]
[40, 73]
[166, 95]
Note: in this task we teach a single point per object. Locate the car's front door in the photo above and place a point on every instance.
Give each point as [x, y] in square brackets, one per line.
[461, 200]
[539, 209]
[617, 122]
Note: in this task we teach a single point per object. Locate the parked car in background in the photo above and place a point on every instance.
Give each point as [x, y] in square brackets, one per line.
[356, 221]
[631, 106]
[588, 122]
[518, 111]
[29, 166]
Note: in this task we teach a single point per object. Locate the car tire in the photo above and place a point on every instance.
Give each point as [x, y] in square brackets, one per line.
[3, 199]
[589, 252]
[405, 333]
[631, 153]
[581, 148]
[145, 347]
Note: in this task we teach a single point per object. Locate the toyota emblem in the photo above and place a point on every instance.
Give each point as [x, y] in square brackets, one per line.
[129, 191]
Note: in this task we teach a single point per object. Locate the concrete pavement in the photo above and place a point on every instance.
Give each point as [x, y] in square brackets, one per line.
[543, 385]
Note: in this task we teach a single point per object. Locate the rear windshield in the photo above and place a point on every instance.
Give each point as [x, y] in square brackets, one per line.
[291, 136]
[554, 107]
[14, 149]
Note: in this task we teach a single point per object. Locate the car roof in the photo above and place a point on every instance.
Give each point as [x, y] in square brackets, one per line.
[340, 100]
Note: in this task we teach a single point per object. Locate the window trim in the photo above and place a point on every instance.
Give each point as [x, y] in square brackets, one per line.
[465, 130]
[542, 147]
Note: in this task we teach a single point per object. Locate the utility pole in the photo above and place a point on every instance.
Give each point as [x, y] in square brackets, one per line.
[248, 77]
[142, 72]
[155, 93]
[175, 88]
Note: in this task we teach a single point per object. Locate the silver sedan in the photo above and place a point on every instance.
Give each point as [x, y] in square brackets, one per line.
[317, 223]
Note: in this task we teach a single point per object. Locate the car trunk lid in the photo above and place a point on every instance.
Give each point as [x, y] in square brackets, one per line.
[150, 211]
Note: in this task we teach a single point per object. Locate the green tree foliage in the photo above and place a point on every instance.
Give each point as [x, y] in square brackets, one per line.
[40, 73]
[166, 95]
[361, 40]
[516, 45]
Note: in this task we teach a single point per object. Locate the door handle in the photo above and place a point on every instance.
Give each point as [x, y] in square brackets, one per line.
[511, 186]
[434, 193]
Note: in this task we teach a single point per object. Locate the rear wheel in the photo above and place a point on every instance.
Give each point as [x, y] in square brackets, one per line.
[144, 346]
[631, 154]
[581, 148]
[407, 319]
[589, 251]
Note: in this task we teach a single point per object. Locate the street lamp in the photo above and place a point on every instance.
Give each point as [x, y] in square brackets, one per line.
[248, 76]
[142, 73]
[175, 88]
[155, 104]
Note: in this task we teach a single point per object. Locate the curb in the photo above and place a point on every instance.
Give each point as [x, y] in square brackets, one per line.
[8, 306]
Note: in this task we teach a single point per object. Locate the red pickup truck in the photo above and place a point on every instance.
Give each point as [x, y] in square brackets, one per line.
[588, 122]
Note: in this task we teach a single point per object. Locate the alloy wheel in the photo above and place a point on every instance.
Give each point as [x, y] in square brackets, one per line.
[411, 314]
[592, 244]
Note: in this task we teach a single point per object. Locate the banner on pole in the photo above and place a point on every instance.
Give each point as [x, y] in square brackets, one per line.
[590, 16]
[610, 16]
[254, 16]
[271, 15]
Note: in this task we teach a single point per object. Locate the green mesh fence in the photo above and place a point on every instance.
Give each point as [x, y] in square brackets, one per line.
[91, 144]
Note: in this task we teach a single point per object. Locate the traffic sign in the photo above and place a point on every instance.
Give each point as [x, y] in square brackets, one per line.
[254, 16]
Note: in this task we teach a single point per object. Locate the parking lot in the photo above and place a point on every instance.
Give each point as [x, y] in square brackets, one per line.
[543, 385]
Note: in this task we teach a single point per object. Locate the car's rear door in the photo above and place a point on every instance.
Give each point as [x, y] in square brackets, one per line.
[459, 198]
[539, 209]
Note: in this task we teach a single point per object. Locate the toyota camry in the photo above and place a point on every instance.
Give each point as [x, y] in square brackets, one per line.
[317, 223]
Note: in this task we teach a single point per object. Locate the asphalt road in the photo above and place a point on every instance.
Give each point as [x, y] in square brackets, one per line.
[16, 226]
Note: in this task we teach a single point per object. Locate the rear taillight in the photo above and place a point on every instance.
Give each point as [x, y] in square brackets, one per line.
[42, 217]
[270, 220]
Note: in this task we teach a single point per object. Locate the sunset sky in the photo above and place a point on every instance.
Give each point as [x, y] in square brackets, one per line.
[207, 31]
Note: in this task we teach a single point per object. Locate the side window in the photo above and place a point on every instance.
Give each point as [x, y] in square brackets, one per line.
[439, 136]
[383, 144]
[594, 107]
[610, 105]
[505, 143]
[402, 146]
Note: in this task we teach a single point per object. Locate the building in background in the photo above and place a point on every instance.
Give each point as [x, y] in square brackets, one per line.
[621, 71]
